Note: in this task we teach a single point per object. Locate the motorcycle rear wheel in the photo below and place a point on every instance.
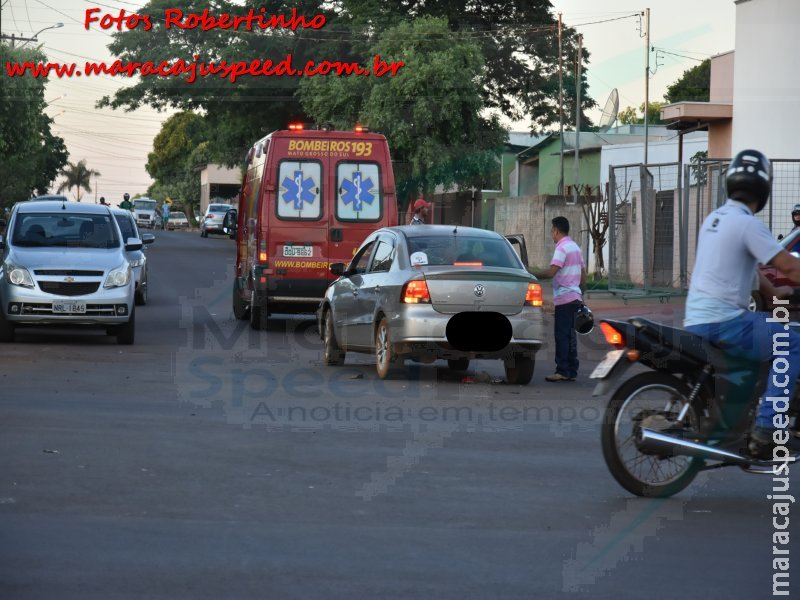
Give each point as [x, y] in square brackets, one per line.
[655, 395]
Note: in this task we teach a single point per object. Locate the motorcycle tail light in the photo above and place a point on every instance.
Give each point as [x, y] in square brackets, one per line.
[612, 336]
[534, 295]
[416, 292]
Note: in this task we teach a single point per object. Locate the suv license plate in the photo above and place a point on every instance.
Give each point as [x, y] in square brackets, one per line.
[69, 308]
[605, 366]
[302, 251]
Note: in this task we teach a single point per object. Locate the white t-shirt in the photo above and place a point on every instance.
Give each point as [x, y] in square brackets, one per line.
[731, 244]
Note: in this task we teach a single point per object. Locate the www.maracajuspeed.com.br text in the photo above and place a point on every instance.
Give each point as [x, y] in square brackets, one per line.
[191, 70]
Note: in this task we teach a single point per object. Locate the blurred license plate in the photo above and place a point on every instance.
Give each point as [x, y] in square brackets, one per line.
[605, 366]
[69, 307]
[305, 251]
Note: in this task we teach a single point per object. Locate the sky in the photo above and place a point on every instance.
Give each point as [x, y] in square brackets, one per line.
[116, 143]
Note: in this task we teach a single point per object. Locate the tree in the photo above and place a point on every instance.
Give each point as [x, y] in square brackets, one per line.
[77, 176]
[693, 86]
[595, 211]
[631, 116]
[30, 154]
[433, 113]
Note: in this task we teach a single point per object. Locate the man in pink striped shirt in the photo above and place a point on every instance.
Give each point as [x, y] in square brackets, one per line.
[568, 273]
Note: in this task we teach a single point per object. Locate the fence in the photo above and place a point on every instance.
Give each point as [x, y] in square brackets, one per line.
[657, 211]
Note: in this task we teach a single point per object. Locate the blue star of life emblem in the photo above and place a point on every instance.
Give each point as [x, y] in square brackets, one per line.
[357, 191]
[299, 190]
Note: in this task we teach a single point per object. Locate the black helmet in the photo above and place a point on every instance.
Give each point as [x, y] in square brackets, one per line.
[749, 178]
[126, 196]
[796, 210]
[584, 320]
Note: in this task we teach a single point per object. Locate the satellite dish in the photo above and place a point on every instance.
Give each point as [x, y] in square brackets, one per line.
[609, 111]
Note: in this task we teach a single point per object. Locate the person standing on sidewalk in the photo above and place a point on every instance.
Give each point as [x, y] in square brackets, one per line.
[568, 272]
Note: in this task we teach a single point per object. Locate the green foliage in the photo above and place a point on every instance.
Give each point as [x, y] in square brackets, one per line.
[693, 86]
[431, 111]
[77, 176]
[631, 116]
[30, 155]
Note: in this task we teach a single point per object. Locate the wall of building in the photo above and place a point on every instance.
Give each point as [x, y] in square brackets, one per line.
[550, 168]
[765, 89]
[229, 180]
[722, 78]
[532, 216]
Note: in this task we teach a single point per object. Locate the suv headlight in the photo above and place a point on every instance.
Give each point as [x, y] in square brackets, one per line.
[18, 276]
[119, 277]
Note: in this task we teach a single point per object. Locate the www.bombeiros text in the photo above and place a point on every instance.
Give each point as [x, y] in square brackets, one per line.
[193, 69]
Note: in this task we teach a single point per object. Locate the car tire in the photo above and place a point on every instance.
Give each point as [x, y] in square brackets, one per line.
[258, 315]
[386, 359]
[6, 328]
[458, 364]
[756, 303]
[127, 332]
[519, 369]
[333, 355]
[140, 297]
[240, 309]
[203, 232]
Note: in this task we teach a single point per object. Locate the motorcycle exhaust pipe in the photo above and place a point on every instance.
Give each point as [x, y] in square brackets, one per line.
[658, 443]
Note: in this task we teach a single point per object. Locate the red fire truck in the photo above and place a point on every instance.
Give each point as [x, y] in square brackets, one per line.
[309, 198]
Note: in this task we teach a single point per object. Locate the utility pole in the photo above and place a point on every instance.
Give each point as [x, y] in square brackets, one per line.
[561, 106]
[577, 118]
[646, 79]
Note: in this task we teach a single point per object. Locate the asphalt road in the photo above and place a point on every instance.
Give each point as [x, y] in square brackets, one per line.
[209, 461]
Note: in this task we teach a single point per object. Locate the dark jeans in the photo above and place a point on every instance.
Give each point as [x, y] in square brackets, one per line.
[566, 339]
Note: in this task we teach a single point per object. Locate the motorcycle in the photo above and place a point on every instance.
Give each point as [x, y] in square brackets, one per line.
[690, 412]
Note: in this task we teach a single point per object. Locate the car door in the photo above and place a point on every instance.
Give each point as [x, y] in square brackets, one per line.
[373, 284]
[346, 293]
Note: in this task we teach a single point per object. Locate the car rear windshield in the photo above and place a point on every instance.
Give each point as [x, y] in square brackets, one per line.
[125, 226]
[176, 216]
[462, 250]
[218, 208]
[64, 230]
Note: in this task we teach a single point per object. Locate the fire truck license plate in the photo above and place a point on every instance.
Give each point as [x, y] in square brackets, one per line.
[302, 251]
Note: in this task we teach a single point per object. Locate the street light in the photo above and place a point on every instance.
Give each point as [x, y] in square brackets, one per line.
[34, 38]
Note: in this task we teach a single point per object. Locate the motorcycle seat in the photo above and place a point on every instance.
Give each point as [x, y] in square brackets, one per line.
[685, 342]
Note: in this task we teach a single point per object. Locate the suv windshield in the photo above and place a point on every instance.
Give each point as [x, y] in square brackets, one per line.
[462, 249]
[33, 230]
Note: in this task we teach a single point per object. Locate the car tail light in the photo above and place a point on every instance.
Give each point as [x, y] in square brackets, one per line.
[613, 337]
[534, 295]
[262, 252]
[416, 292]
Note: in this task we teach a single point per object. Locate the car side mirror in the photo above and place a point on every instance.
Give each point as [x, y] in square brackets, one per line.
[133, 244]
[148, 238]
[229, 225]
[337, 268]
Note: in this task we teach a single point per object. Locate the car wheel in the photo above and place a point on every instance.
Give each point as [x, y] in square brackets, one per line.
[386, 360]
[240, 309]
[203, 232]
[756, 303]
[333, 354]
[6, 328]
[140, 297]
[519, 369]
[458, 364]
[258, 315]
[126, 333]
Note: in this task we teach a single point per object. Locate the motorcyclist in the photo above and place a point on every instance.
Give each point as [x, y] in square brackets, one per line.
[731, 243]
[126, 203]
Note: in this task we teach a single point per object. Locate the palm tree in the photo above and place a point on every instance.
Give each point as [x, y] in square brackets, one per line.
[77, 176]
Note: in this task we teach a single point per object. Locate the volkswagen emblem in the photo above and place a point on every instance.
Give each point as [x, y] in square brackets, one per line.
[479, 290]
[69, 280]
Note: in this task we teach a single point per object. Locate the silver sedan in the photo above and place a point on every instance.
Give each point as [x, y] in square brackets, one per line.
[431, 292]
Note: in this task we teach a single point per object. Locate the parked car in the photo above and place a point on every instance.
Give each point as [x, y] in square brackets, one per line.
[790, 243]
[136, 258]
[66, 264]
[434, 292]
[212, 220]
[177, 220]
